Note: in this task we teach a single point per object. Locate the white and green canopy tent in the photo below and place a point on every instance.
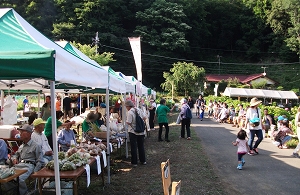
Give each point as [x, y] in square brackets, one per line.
[116, 83]
[130, 86]
[27, 54]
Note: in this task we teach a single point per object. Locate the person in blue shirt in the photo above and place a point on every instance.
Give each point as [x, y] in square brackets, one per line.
[3, 152]
[65, 136]
[25, 102]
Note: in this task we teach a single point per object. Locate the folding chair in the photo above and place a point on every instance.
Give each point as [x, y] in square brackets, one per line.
[166, 176]
[176, 188]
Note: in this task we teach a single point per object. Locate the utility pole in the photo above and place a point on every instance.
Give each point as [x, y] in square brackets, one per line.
[96, 42]
[219, 60]
[264, 67]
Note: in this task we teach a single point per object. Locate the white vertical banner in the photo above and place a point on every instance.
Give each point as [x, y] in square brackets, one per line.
[135, 43]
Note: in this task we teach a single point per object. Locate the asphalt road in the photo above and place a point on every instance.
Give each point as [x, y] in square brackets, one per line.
[273, 171]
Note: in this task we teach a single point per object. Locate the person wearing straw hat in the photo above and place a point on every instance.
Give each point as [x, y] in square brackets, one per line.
[48, 126]
[254, 125]
[65, 137]
[91, 118]
[29, 157]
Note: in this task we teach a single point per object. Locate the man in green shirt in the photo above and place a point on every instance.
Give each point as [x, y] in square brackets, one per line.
[161, 113]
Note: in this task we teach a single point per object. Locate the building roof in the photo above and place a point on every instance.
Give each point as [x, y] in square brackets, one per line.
[259, 93]
[245, 79]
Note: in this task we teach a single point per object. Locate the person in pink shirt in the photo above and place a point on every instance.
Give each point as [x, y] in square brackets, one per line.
[243, 148]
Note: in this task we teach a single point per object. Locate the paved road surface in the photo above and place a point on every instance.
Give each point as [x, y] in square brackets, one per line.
[273, 171]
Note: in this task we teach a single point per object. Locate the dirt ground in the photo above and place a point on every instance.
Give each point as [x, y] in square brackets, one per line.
[188, 163]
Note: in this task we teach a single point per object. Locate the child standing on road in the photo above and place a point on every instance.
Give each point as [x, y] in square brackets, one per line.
[202, 109]
[243, 147]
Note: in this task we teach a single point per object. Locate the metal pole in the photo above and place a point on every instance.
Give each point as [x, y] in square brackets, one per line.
[219, 62]
[172, 90]
[107, 134]
[54, 132]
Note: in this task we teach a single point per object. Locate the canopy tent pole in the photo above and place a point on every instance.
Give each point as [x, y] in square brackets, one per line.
[54, 132]
[39, 107]
[124, 116]
[80, 104]
[62, 101]
[88, 101]
[98, 101]
[107, 134]
[2, 103]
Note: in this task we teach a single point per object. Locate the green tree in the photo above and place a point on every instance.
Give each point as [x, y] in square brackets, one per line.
[79, 20]
[162, 25]
[282, 16]
[90, 51]
[39, 13]
[259, 84]
[186, 78]
[233, 82]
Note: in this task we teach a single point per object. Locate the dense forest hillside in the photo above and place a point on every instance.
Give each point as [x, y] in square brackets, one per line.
[226, 36]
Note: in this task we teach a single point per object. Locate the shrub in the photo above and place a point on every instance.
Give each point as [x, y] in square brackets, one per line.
[292, 143]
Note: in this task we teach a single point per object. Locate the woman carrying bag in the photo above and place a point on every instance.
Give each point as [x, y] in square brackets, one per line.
[136, 137]
[254, 125]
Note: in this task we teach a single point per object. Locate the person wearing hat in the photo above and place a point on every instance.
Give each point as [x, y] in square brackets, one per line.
[41, 139]
[254, 125]
[29, 157]
[91, 118]
[136, 139]
[65, 136]
[152, 108]
[48, 126]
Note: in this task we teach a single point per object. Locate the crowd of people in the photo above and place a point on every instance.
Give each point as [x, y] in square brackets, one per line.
[36, 136]
[253, 124]
[37, 147]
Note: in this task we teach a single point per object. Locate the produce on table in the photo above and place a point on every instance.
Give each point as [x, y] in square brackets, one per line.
[68, 166]
[6, 172]
[76, 157]
[61, 155]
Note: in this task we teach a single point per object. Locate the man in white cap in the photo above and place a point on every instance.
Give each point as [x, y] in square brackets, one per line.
[41, 139]
[29, 157]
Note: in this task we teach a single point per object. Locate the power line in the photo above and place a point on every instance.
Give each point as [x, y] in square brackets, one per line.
[207, 62]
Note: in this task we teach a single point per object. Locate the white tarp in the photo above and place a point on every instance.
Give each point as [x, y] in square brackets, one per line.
[9, 111]
[116, 83]
[68, 68]
[260, 93]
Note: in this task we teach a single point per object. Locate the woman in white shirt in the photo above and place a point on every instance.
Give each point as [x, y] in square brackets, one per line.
[254, 125]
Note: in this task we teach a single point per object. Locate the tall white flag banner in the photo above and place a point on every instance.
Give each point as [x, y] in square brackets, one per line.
[135, 43]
